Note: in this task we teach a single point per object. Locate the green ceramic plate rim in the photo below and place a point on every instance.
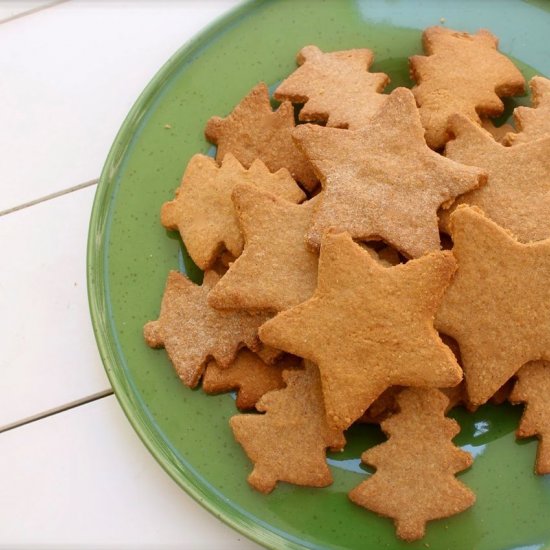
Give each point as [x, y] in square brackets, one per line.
[97, 284]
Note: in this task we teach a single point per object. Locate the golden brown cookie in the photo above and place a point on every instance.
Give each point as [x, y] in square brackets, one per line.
[276, 269]
[192, 332]
[383, 181]
[253, 130]
[517, 193]
[462, 73]
[368, 327]
[289, 442]
[496, 306]
[383, 406]
[533, 389]
[249, 375]
[335, 87]
[387, 256]
[499, 133]
[456, 396]
[269, 355]
[532, 122]
[503, 393]
[203, 212]
[415, 478]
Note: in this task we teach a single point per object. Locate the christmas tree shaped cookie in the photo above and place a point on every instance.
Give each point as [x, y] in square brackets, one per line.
[335, 87]
[462, 73]
[289, 442]
[203, 212]
[533, 122]
[533, 389]
[415, 478]
[249, 375]
[192, 332]
[254, 131]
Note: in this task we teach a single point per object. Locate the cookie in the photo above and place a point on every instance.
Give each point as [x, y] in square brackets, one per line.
[276, 269]
[517, 193]
[415, 478]
[503, 393]
[289, 442]
[254, 131]
[249, 375]
[499, 133]
[335, 87]
[462, 73]
[496, 306]
[383, 181]
[192, 332]
[382, 407]
[269, 355]
[386, 404]
[533, 388]
[203, 212]
[387, 256]
[532, 122]
[368, 327]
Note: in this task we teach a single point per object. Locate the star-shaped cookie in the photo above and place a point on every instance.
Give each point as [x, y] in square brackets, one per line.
[192, 332]
[253, 130]
[496, 307]
[532, 122]
[462, 73]
[276, 269]
[203, 211]
[517, 193]
[383, 181]
[335, 87]
[383, 314]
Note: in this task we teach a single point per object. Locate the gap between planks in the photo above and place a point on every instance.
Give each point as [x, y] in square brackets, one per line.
[32, 10]
[50, 196]
[57, 410]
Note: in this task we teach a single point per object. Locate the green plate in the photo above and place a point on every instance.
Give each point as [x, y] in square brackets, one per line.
[130, 254]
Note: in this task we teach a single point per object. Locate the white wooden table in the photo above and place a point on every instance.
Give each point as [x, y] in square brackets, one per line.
[72, 470]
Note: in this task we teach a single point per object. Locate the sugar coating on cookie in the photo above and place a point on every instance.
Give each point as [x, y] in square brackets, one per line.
[517, 193]
[383, 315]
[383, 181]
[192, 332]
[461, 73]
[289, 442]
[532, 122]
[203, 212]
[533, 388]
[415, 478]
[335, 87]
[253, 130]
[276, 270]
[496, 306]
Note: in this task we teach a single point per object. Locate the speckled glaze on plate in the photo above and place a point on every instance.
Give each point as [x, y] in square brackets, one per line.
[130, 254]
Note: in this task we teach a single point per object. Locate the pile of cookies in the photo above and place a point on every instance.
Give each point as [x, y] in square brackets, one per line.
[382, 261]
